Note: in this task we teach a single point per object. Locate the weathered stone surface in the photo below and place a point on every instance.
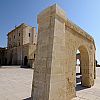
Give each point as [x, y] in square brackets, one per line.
[55, 66]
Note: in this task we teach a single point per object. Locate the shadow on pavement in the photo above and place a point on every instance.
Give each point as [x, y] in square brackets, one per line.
[28, 98]
[78, 82]
[80, 87]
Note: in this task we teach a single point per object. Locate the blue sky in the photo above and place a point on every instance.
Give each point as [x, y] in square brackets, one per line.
[84, 13]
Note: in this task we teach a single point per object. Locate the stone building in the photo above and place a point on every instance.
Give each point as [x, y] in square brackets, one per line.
[22, 45]
[3, 56]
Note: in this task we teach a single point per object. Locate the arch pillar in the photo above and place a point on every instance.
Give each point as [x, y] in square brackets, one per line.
[92, 67]
[51, 71]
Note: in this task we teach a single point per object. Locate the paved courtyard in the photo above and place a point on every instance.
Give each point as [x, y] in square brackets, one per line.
[16, 84]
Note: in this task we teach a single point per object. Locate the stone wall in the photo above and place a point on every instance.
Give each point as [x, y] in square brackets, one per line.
[16, 55]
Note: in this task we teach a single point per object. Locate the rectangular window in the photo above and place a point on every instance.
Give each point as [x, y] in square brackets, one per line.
[19, 34]
[34, 56]
[29, 34]
[14, 36]
[19, 43]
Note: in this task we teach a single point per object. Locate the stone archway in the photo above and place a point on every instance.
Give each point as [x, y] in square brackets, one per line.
[54, 68]
[82, 78]
[84, 57]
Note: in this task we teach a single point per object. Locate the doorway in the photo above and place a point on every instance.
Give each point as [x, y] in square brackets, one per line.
[25, 61]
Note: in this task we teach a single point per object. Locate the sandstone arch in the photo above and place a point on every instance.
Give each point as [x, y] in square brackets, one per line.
[54, 71]
[84, 59]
